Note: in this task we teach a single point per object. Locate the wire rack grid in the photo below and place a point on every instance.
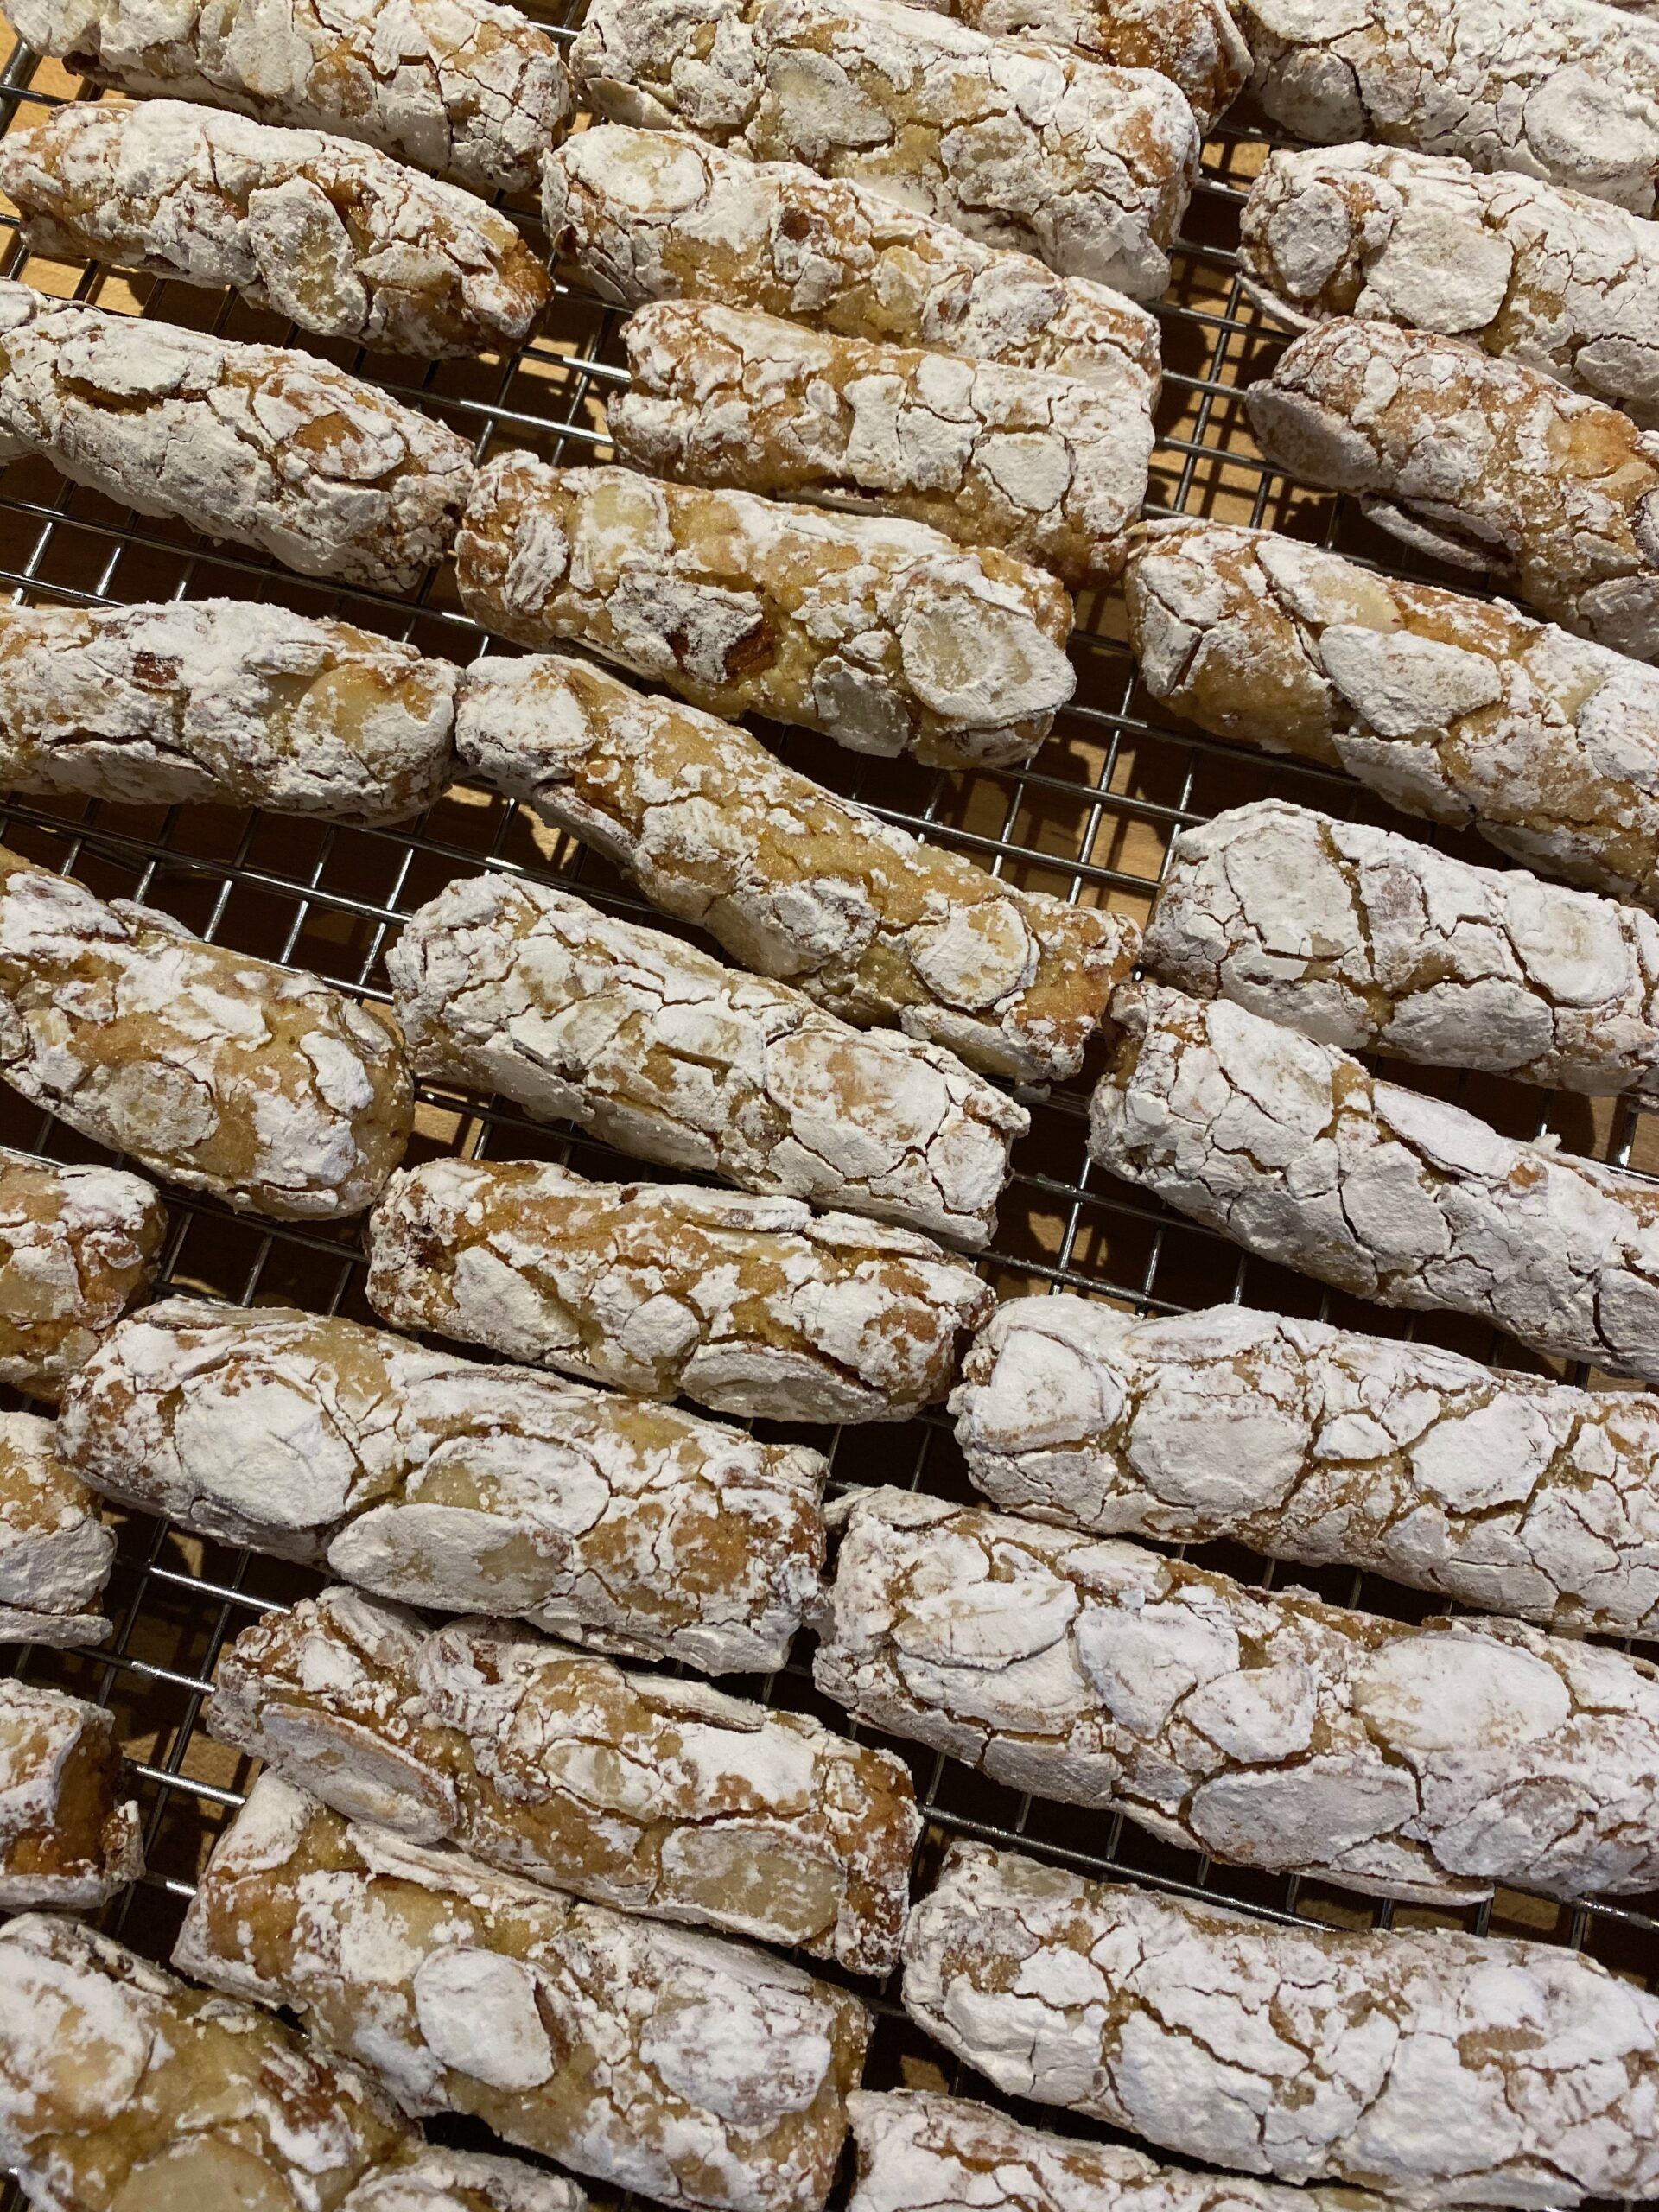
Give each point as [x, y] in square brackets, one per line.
[1090, 818]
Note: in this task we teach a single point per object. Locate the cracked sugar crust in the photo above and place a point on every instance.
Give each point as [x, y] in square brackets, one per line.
[918, 2152]
[1047, 467]
[121, 2086]
[261, 1085]
[1018, 142]
[1481, 462]
[1461, 709]
[1563, 90]
[659, 214]
[690, 2069]
[753, 1306]
[77, 1245]
[1292, 1149]
[432, 1480]
[1264, 1728]
[67, 1839]
[1436, 2067]
[790, 880]
[1315, 1444]
[475, 92]
[1550, 278]
[221, 701]
[1195, 43]
[880, 632]
[55, 1555]
[524, 990]
[658, 1795]
[335, 236]
[258, 445]
[1371, 941]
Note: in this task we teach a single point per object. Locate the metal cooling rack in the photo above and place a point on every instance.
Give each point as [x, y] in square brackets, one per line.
[1089, 819]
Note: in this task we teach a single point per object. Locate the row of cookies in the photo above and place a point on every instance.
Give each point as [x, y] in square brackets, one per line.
[626, 1527]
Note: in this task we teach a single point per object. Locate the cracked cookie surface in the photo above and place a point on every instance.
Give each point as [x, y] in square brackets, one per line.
[1559, 91]
[55, 1553]
[660, 214]
[1374, 943]
[122, 2088]
[1461, 710]
[1480, 462]
[258, 445]
[1291, 1148]
[1263, 1728]
[1435, 2067]
[918, 2150]
[695, 2070]
[1548, 277]
[335, 236]
[77, 1245]
[668, 1054]
[882, 633]
[261, 1085]
[68, 1840]
[1195, 43]
[472, 90]
[791, 880]
[1317, 1443]
[750, 1306]
[1046, 467]
[658, 1795]
[1018, 142]
[432, 1480]
[221, 701]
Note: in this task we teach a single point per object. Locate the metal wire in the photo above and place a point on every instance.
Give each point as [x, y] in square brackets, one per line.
[1090, 819]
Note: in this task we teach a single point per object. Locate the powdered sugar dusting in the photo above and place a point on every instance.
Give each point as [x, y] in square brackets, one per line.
[473, 90]
[1017, 142]
[672, 2063]
[637, 1790]
[525, 990]
[55, 1555]
[1309, 2053]
[1461, 709]
[117, 2080]
[221, 700]
[257, 444]
[461, 1487]
[659, 214]
[1561, 92]
[1316, 1443]
[1486, 462]
[749, 1305]
[1372, 942]
[791, 880]
[1264, 1729]
[336, 236]
[66, 1839]
[1551, 278]
[1047, 467]
[1195, 43]
[1291, 1147]
[216, 1071]
[916, 2149]
[77, 1244]
[882, 632]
